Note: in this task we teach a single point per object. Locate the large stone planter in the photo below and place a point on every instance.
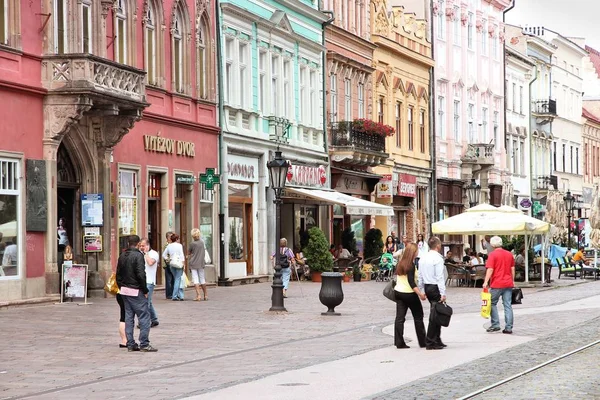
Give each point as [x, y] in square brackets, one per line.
[331, 294]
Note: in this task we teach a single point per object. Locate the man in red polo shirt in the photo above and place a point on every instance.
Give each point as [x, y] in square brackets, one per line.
[501, 275]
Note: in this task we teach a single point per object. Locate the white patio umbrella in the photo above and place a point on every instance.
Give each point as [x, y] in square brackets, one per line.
[486, 219]
[9, 229]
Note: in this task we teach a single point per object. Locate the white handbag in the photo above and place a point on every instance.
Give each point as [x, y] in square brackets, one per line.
[207, 259]
[176, 261]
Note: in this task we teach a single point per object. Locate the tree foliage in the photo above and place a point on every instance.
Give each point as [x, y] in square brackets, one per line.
[317, 252]
[373, 244]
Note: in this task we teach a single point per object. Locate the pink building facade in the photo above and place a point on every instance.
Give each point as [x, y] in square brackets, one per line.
[469, 101]
[107, 100]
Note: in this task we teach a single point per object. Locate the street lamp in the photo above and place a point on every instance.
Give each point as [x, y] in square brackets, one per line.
[278, 169]
[569, 200]
[473, 193]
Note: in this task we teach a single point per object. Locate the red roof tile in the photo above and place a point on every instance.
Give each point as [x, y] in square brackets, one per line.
[590, 116]
[595, 58]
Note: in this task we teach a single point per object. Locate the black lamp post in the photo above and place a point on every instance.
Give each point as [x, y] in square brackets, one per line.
[473, 193]
[569, 200]
[278, 169]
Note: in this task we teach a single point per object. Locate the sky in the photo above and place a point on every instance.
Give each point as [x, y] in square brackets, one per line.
[571, 18]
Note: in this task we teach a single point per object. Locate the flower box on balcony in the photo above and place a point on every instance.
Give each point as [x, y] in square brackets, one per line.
[367, 126]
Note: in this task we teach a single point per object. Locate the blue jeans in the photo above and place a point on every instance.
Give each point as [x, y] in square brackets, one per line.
[177, 290]
[285, 277]
[506, 295]
[137, 305]
[153, 316]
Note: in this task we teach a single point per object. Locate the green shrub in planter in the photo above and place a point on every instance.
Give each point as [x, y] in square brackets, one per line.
[317, 252]
[373, 244]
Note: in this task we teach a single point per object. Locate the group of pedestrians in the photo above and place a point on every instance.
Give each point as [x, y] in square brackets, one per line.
[136, 279]
[428, 282]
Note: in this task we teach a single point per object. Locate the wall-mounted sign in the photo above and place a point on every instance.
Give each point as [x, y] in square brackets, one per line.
[352, 185]
[92, 209]
[384, 187]
[185, 179]
[307, 176]
[92, 244]
[525, 203]
[241, 168]
[209, 179]
[407, 185]
[160, 144]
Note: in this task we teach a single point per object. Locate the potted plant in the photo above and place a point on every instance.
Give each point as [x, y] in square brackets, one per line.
[349, 241]
[347, 275]
[356, 273]
[317, 254]
[373, 244]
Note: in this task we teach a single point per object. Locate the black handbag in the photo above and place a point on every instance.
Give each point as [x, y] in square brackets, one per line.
[442, 313]
[388, 290]
[517, 296]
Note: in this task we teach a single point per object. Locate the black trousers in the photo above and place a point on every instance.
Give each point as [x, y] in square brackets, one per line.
[434, 330]
[404, 302]
[169, 281]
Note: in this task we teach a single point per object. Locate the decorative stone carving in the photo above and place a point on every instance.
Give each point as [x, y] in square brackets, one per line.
[201, 7]
[58, 118]
[37, 211]
[110, 130]
[450, 14]
[479, 25]
[435, 9]
[382, 25]
[491, 30]
[106, 6]
[464, 19]
[501, 35]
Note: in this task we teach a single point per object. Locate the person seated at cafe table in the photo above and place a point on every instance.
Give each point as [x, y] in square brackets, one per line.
[449, 259]
[343, 253]
[579, 257]
[520, 259]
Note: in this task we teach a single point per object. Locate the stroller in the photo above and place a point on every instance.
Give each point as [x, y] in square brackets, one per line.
[386, 266]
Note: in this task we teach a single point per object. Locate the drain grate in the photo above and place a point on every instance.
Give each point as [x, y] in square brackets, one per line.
[293, 384]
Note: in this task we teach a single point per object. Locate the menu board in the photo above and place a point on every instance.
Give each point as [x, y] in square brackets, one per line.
[92, 244]
[74, 282]
[92, 209]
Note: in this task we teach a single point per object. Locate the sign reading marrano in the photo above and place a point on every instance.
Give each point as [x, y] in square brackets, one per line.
[169, 146]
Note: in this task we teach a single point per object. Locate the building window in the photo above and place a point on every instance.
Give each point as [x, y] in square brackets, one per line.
[484, 123]
[240, 215]
[410, 129]
[577, 161]
[303, 105]
[470, 31]
[262, 81]
[202, 57]
[456, 127]
[457, 25]
[314, 98]
[571, 160]
[398, 124]
[333, 97]
[422, 130]
[495, 46]
[150, 45]
[9, 217]
[127, 203]
[177, 48]
[243, 81]
[470, 108]
[361, 100]
[484, 38]
[121, 32]
[380, 110]
[514, 97]
[4, 21]
[60, 26]
[347, 99]
[288, 99]
[554, 157]
[515, 157]
[522, 158]
[86, 26]
[228, 87]
[206, 219]
[441, 20]
[274, 84]
[441, 119]
[521, 100]
[564, 154]
[496, 128]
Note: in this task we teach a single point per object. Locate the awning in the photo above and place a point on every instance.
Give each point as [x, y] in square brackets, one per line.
[354, 206]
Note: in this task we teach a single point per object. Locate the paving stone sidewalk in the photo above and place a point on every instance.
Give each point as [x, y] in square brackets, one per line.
[71, 351]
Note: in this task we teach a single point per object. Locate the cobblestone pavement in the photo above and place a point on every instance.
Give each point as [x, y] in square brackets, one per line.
[70, 352]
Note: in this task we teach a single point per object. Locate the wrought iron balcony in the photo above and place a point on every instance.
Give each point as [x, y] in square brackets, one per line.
[479, 153]
[544, 110]
[353, 147]
[92, 75]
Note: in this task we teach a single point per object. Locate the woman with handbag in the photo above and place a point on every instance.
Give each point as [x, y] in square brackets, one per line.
[196, 263]
[286, 261]
[407, 297]
[176, 257]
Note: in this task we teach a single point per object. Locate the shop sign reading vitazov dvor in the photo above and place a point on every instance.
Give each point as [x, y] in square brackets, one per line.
[169, 146]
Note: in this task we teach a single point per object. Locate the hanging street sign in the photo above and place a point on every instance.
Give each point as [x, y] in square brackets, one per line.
[184, 179]
[209, 179]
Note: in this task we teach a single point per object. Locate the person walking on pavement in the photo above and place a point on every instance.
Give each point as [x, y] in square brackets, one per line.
[169, 279]
[174, 254]
[408, 296]
[196, 263]
[500, 275]
[286, 259]
[131, 279]
[151, 258]
[432, 282]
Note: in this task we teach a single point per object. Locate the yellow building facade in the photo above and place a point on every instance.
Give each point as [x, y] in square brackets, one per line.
[401, 90]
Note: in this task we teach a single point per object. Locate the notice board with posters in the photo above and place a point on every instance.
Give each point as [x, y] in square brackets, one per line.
[74, 283]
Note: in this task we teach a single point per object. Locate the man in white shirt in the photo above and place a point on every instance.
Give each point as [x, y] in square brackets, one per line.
[151, 258]
[432, 282]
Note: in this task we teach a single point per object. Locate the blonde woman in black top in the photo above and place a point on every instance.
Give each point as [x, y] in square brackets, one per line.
[407, 297]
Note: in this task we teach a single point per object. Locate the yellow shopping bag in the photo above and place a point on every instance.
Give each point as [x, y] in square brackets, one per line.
[486, 303]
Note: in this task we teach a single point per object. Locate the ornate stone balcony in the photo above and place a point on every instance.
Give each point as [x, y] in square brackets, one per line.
[95, 76]
[356, 148]
[481, 154]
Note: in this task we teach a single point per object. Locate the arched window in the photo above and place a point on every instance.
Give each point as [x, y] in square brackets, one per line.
[180, 36]
[203, 57]
[150, 45]
[120, 43]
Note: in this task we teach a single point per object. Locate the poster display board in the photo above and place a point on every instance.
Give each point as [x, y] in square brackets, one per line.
[74, 282]
[92, 244]
[92, 213]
